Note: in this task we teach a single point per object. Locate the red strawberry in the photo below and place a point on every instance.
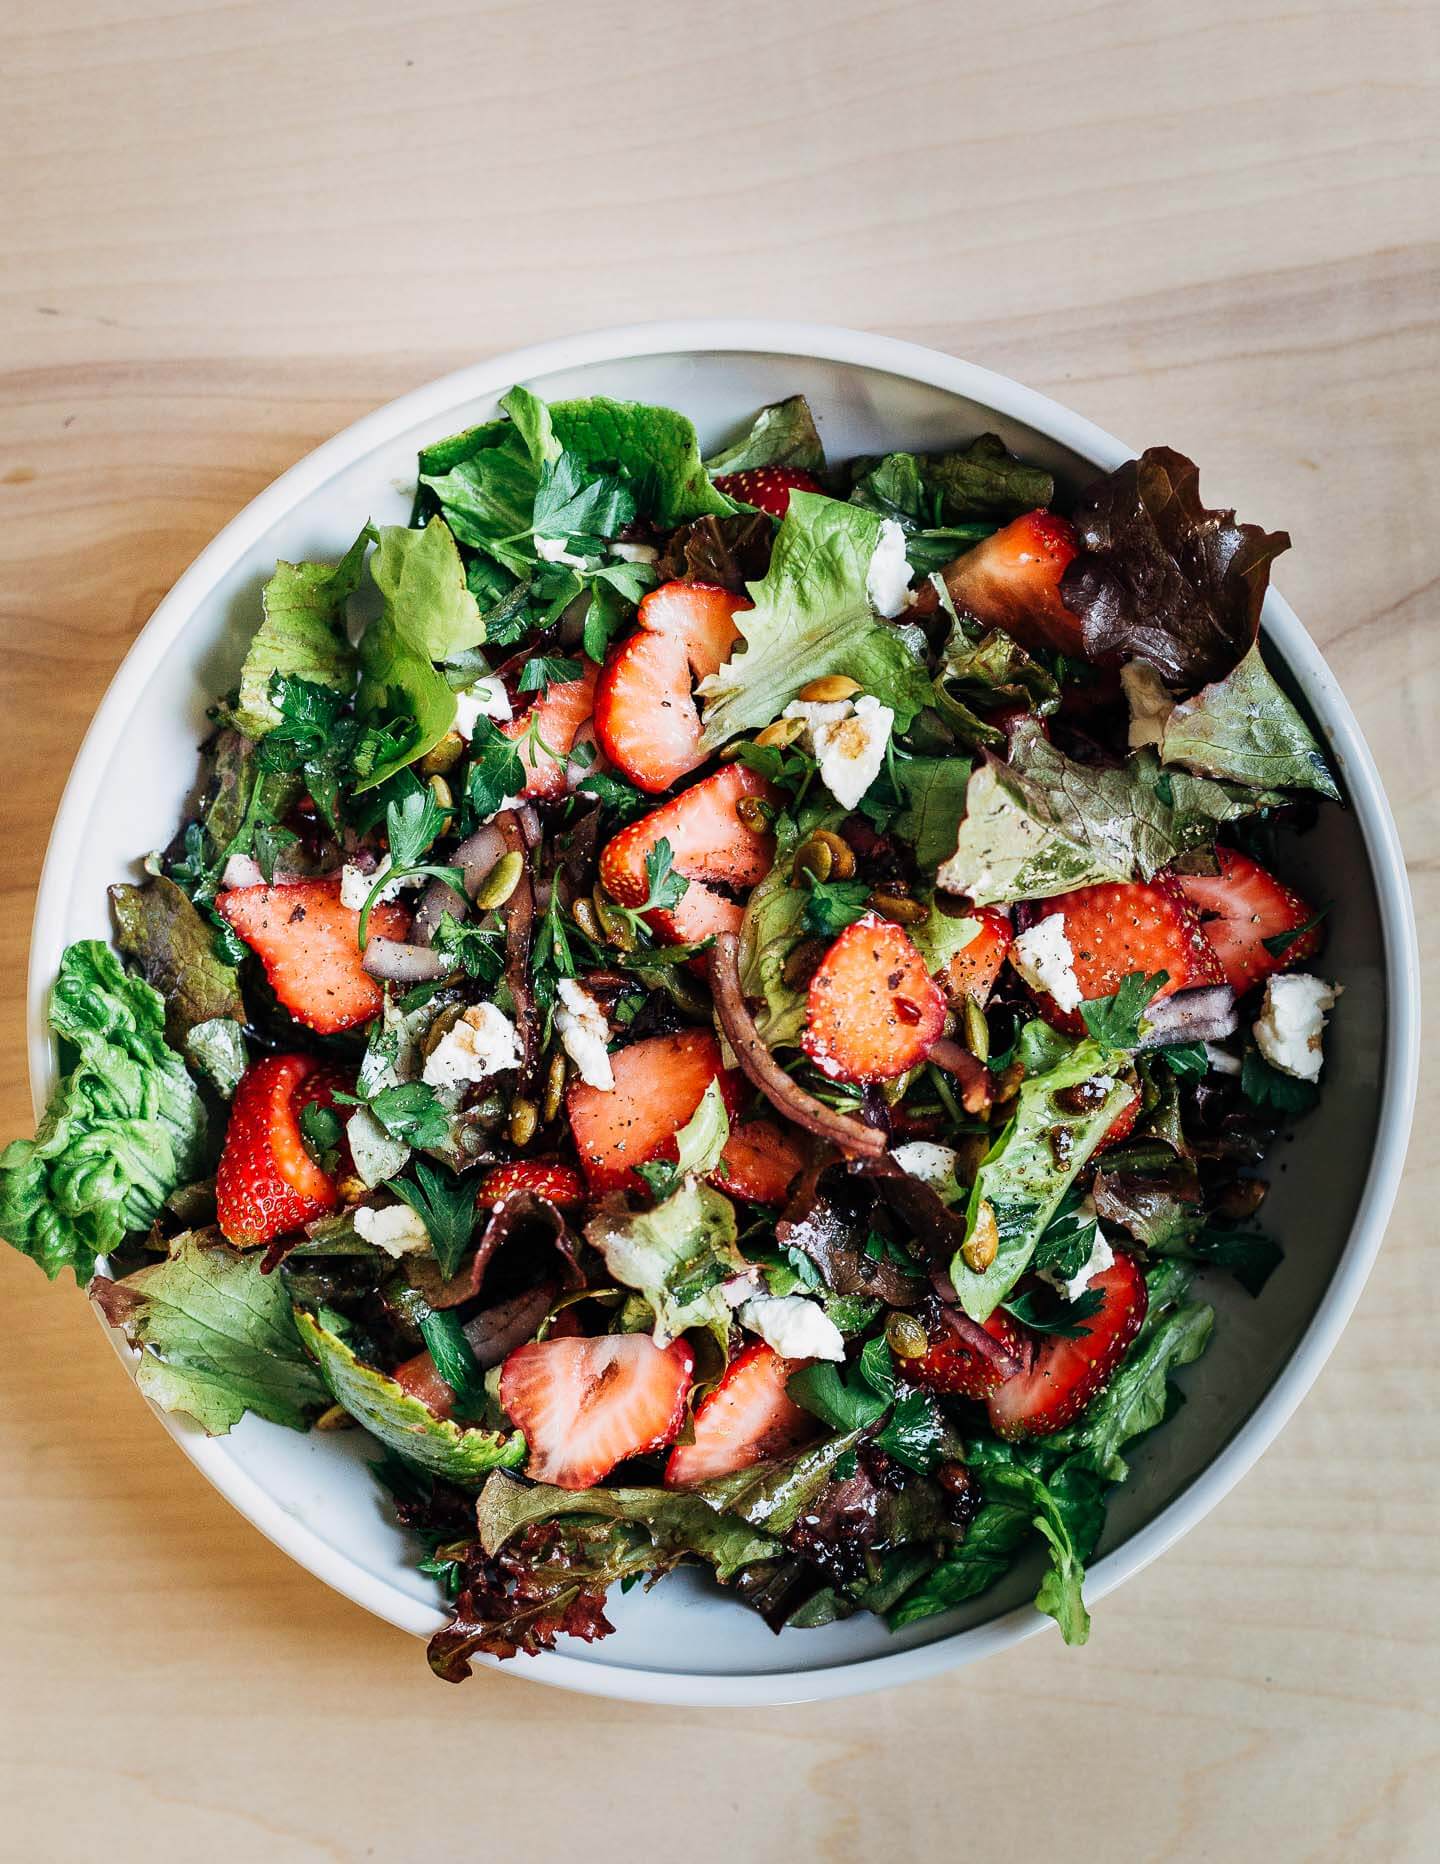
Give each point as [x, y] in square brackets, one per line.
[658, 1085]
[699, 615]
[646, 720]
[266, 1183]
[557, 716]
[708, 842]
[767, 488]
[748, 1418]
[1122, 926]
[547, 1178]
[974, 968]
[1012, 581]
[309, 945]
[950, 1364]
[761, 1162]
[1121, 1127]
[587, 1404]
[873, 1010]
[1064, 1375]
[1242, 906]
[419, 1377]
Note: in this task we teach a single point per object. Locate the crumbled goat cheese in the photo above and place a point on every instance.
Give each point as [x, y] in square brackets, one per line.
[1044, 958]
[1291, 1023]
[635, 553]
[931, 1163]
[485, 699]
[1221, 1060]
[482, 1043]
[793, 1327]
[1149, 701]
[552, 550]
[1102, 1257]
[887, 581]
[584, 1034]
[847, 739]
[355, 884]
[397, 1229]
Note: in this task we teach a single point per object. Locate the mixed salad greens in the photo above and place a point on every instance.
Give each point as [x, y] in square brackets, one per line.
[728, 1024]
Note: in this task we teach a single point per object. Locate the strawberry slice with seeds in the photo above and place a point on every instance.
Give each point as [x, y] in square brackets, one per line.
[309, 944]
[419, 1377]
[1064, 1375]
[557, 717]
[1118, 927]
[873, 1010]
[974, 968]
[266, 1183]
[700, 616]
[547, 1178]
[708, 844]
[1242, 906]
[952, 1363]
[767, 488]
[587, 1404]
[761, 1161]
[646, 719]
[659, 1083]
[748, 1418]
[1011, 580]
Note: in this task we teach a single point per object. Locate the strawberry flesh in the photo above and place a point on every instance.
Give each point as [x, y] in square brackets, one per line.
[646, 719]
[952, 1364]
[761, 1161]
[659, 1083]
[700, 616]
[873, 1010]
[767, 488]
[747, 1419]
[587, 1404]
[1242, 906]
[1011, 581]
[557, 716]
[547, 1178]
[974, 968]
[1064, 1375]
[309, 944]
[266, 1183]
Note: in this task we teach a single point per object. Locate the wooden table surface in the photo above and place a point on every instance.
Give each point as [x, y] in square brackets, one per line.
[229, 229]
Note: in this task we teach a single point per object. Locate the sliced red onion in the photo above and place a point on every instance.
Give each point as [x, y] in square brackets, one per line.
[241, 870]
[529, 822]
[497, 1331]
[1205, 1014]
[395, 962]
[477, 855]
[977, 1088]
[983, 1345]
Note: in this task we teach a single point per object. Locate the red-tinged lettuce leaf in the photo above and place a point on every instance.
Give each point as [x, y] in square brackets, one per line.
[1243, 727]
[536, 1590]
[1161, 577]
[174, 951]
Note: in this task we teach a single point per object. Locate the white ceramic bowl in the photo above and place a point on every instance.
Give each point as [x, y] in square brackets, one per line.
[684, 1642]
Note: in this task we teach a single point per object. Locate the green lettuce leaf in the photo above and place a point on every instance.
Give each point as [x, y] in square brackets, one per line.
[302, 635]
[217, 1338]
[655, 448]
[124, 1127]
[422, 583]
[400, 1421]
[773, 1496]
[1028, 1170]
[897, 488]
[934, 791]
[784, 434]
[812, 616]
[1243, 727]
[676, 1255]
[216, 1051]
[173, 948]
[985, 480]
[940, 937]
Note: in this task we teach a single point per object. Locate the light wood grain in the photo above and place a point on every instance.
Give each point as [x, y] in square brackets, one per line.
[229, 229]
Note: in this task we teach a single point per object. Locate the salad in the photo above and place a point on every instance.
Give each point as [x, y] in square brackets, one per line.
[723, 1011]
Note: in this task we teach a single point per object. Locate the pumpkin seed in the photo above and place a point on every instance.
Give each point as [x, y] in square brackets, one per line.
[501, 881]
[830, 688]
[900, 911]
[907, 1338]
[782, 733]
[524, 1118]
[982, 1245]
[442, 757]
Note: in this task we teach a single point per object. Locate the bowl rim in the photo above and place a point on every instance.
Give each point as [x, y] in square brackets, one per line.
[931, 368]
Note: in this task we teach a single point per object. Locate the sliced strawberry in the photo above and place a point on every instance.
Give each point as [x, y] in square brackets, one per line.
[873, 1010]
[309, 944]
[266, 1183]
[708, 843]
[699, 615]
[658, 1085]
[587, 1404]
[974, 968]
[1122, 926]
[951, 1363]
[419, 1377]
[1121, 1127]
[646, 719]
[767, 488]
[1012, 581]
[761, 1162]
[557, 717]
[1064, 1375]
[547, 1178]
[1242, 906]
[748, 1418]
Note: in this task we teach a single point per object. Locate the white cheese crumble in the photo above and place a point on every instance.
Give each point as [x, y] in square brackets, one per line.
[1221, 1060]
[1149, 701]
[552, 550]
[397, 1229]
[847, 739]
[887, 581]
[1045, 959]
[481, 1043]
[793, 1327]
[355, 884]
[1291, 1023]
[584, 1034]
[485, 699]
[931, 1163]
[1102, 1257]
[635, 553]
